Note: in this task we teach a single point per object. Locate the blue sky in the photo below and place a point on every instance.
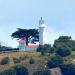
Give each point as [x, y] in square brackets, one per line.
[59, 16]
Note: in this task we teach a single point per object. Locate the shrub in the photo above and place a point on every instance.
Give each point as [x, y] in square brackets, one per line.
[42, 72]
[63, 52]
[45, 49]
[31, 61]
[48, 48]
[16, 60]
[42, 52]
[5, 61]
[40, 48]
[21, 70]
[68, 69]
[10, 71]
[55, 61]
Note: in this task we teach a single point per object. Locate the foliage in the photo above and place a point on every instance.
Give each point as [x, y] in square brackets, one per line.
[68, 69]
[26, 34]
[16, 60]
[42, 52]
[42, 72]
[17, 70]
[5, 61]
[21, 70]
[72, 45]
[40, 48]
[48, 48]
[45, 49]
[55, 61]
[10, 71]
[64, 42]
[31, 61]
[63, 52]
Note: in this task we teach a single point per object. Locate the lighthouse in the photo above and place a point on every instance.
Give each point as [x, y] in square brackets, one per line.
[42, 38]
[42, 32]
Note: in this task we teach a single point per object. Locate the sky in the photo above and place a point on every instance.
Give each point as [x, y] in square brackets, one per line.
[59, 16]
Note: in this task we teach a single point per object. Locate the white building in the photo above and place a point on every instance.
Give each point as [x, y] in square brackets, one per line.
[42, 39]
[42, 32]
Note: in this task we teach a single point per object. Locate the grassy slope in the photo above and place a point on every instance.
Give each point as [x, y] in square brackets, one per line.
[39, 60]
[28, 55]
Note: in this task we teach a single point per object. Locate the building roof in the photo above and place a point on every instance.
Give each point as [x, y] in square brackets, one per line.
[32, 46]
[21, 41]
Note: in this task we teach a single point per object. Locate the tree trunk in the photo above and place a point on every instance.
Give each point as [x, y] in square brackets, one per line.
[27, 41]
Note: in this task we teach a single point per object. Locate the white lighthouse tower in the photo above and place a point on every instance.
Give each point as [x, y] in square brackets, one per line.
[42, 33]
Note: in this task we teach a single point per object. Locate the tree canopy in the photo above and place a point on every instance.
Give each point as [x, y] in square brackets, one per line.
[63, 52]
[26, 34]
[64, 42]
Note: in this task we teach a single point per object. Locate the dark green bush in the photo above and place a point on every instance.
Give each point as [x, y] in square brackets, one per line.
[68, 69]
[5, 61]
[55, 61]
[45, 49]
[10, 71]
[42, 72]
[17, 70]
[43, 52]
[21, 70]
[31, 61]
[16, 60]
[40, 48]
[63, 52]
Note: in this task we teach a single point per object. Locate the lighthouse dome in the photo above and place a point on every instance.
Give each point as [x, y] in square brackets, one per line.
[41, 23]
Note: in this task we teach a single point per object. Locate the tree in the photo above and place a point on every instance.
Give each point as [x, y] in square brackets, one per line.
[26, 34]
[64, 42]
[42, 72]
[45, 49]
[68, 69]
[63, 52]
[55, 61]
[41, 49]
[21, 70]
[48, 48]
